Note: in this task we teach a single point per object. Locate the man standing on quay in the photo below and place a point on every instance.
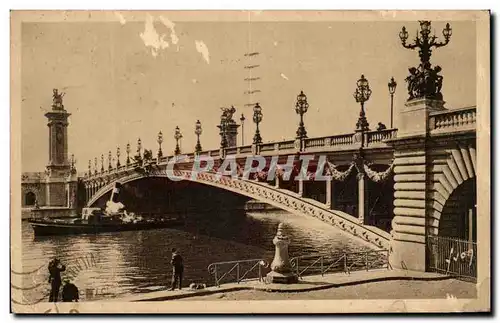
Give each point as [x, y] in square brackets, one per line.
[178, 269]
[55, 269]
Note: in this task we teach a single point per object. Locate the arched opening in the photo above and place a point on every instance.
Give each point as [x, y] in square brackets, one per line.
[458, 218]
[379, 197]
[453, 251]
[345, 197]
[29, 199]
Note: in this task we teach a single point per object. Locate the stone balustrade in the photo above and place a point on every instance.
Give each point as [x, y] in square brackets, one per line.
[342, 140]
[380, 136]
[310, 144]
[452, 120]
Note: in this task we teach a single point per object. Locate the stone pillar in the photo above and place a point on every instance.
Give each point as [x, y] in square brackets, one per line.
[329, 195]
[301, 187]
[361, 198]
[408, 235]
[282, 272]
[276, 181]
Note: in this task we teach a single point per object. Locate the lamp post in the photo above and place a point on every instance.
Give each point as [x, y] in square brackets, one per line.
[139, 147]
[362, 94]
[177, 136]
[117, 157]
[242, 119]
[160, 141]
[424, 82]
[392, 89]
[128, 153]
[257, 118]
[90, 168]
[95, 165]
[102, 163]
[109, 160]
[198, 131]
[301, 108]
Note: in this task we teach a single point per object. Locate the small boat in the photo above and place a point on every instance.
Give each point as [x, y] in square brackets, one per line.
[95, 221]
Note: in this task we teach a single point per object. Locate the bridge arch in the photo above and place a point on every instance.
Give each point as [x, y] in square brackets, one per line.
[283, 199]
[454, 192]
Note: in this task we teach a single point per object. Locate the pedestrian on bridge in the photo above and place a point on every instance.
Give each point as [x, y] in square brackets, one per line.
[177, 269]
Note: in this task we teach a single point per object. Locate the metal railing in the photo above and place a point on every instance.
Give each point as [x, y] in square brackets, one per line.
[343, 262]
[256, 269]
[453, 257]
[238, 270]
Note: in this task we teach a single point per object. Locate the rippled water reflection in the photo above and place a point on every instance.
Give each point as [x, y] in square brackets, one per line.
[139, 261]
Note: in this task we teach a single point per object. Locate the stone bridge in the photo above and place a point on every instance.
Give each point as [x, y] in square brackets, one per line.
[426, 170]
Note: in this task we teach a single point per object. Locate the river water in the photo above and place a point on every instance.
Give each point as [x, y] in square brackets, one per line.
[111, 265]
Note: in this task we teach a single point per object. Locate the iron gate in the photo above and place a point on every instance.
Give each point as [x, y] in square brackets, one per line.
[454, 257]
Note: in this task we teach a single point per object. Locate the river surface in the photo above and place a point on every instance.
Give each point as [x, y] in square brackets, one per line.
[111, 265]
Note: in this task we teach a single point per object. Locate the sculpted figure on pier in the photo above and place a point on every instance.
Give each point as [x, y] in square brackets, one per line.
[57, 99]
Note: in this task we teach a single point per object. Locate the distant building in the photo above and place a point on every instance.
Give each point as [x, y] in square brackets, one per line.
[54, 191]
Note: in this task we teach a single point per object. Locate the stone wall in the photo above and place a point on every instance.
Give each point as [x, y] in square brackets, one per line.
[57, 194]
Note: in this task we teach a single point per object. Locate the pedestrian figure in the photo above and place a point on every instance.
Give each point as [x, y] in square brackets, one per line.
[177, 269]
[70, 292]
[55, 269]
[381, 126]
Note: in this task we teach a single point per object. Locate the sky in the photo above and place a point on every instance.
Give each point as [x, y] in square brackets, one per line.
[132, 78]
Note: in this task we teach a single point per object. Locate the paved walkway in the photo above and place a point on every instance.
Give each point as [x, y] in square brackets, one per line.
[308, 283]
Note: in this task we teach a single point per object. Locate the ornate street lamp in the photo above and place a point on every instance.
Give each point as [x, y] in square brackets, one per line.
[139, 147]
[138, 155]
[177, 136]
[301, 108]
[160, 141]
[242, 119]
[362, 94]
[392, 89]
[90, 168]
[257, 118]
[117, 157]
[102, 163]
[109, 160]
[128, 153]
[198, 132]
[95, 165]
[424, 82]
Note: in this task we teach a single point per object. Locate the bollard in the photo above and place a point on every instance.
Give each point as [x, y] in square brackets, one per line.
[282, 272]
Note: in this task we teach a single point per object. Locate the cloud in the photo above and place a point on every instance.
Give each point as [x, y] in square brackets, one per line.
[170, 25]
[203, 50]
[151, 38]
[284, 76]
[121, 18]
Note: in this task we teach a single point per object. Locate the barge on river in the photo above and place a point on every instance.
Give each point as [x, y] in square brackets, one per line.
[93, 221]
